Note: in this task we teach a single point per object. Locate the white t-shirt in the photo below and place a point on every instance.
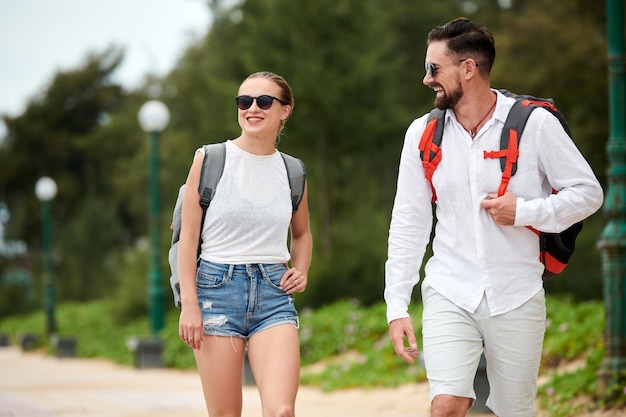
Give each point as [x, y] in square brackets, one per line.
[249, 216]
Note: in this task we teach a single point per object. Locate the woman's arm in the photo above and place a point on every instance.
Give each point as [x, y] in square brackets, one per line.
[295, 279]
[190, 323]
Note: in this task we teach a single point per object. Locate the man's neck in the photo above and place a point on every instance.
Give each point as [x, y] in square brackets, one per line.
[473, 110]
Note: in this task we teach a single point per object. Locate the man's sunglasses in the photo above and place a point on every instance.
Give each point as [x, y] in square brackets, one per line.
[264, 102]
[432, 68]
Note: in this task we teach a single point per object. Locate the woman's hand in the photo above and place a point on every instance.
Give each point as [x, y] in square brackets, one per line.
[190, 328]
[293, 281]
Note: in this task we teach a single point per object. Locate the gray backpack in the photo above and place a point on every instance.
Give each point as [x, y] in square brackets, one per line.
[212, 168]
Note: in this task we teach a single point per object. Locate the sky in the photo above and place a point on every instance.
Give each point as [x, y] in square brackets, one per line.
[38, 38]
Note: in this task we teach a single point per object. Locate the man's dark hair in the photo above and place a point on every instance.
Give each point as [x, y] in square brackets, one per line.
[466, 39]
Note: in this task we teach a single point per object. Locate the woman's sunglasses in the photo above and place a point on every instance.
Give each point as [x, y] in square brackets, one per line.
[264, 102]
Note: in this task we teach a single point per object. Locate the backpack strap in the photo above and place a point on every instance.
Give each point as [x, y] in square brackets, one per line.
[509, 141]
[430, 145]
[546, 103]
[296, 173]
[177, 215]
[212, 169]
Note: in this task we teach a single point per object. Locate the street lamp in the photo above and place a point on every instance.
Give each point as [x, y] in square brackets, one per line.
[153, 117]
[612, 243]
[46, 190]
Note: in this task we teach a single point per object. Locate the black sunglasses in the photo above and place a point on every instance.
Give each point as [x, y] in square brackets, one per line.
[264, 102]
[432, 68]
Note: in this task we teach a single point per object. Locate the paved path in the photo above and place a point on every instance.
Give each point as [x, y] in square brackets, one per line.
[36, 385]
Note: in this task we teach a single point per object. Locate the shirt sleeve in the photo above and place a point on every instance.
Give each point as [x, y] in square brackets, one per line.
[579, 193]
[411, 224]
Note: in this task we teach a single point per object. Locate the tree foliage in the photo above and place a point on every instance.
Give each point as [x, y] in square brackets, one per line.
[61, 135]
[356, 69]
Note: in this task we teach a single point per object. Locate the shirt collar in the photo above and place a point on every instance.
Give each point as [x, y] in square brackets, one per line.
[503, 106]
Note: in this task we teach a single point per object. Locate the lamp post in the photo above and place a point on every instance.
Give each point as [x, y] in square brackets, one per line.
[46, 190]
[613, 240]
[153, 117]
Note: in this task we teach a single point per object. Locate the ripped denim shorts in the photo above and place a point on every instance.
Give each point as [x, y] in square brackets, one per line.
[241, 300]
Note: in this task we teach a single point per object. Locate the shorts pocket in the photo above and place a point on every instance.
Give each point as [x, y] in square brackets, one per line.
[208, 277]
[272, 275]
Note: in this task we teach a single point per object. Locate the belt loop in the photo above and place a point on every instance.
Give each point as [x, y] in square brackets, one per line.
[231, 268]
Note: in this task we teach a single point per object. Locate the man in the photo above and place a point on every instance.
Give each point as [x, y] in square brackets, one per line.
[483, 289]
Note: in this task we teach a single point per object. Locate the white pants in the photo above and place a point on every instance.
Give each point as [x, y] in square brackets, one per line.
[454, 340]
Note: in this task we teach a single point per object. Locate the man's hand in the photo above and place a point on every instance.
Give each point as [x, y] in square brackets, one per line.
[502, 209]
[398, 330]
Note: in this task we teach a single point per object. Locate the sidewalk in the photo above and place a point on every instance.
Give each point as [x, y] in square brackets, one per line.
[35, 385]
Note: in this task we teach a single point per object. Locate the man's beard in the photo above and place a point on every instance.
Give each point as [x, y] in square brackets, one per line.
[448, 101]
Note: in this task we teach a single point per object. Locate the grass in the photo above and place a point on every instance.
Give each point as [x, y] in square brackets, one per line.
[345, 345]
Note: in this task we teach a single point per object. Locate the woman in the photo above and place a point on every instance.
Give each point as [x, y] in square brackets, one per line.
[242, 291]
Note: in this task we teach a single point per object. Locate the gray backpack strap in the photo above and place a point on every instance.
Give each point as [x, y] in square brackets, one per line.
[296, 173]
[212, 169]
[177, 216]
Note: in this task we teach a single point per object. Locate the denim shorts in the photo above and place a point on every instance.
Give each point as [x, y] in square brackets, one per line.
[241, 300]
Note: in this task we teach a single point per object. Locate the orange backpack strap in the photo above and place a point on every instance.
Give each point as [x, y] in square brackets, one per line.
[430, 145]
[509, 141]
[513, 129]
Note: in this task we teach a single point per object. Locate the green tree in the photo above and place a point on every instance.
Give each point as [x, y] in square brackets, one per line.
[59, 135]
[340, 59]
[356, 68]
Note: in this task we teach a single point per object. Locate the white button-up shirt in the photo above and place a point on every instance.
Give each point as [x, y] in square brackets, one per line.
[472, 255]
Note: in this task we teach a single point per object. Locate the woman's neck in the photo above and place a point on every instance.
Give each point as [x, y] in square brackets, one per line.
[255, 145]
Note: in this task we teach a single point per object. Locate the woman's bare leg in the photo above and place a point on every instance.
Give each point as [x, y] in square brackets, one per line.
[275, 362]
[220, 364]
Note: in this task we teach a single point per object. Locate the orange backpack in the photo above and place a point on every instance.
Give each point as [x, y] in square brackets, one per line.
[555, 249]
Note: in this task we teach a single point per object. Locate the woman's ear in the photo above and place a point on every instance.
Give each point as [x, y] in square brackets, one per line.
[286, 112]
